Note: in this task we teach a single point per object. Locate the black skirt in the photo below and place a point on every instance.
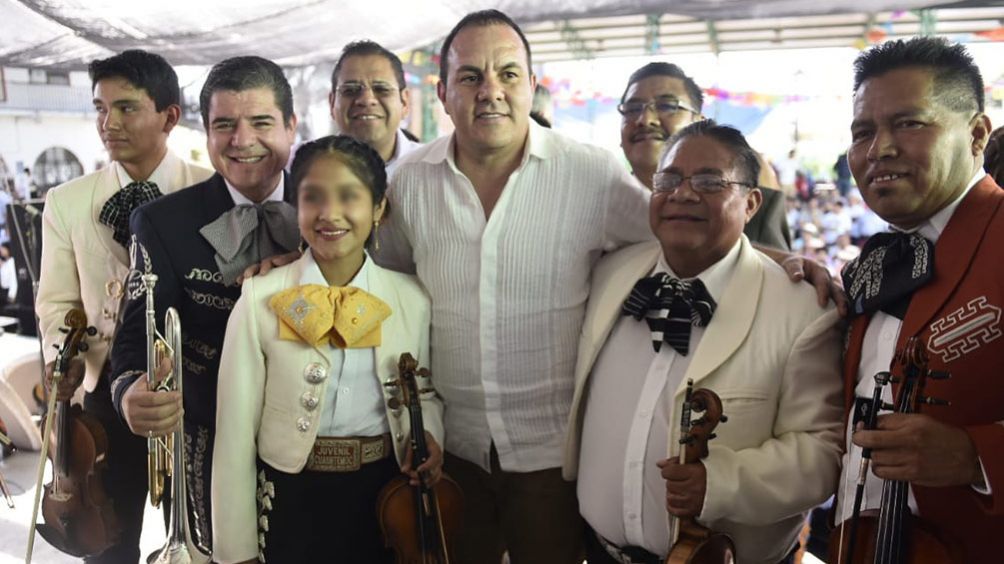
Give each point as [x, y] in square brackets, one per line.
[322, 516]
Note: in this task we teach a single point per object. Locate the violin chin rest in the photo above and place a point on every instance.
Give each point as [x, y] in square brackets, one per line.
[56, 539]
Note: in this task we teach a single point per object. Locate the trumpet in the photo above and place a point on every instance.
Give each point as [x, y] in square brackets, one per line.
[166, 455]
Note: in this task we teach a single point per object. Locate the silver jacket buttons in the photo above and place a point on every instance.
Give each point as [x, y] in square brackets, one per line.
[315, 373]
[309, 401]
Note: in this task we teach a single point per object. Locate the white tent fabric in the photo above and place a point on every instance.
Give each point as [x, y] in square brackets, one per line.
[69, 33]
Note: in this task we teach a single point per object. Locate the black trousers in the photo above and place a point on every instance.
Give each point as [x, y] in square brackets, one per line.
[325, 516]
[125, 478]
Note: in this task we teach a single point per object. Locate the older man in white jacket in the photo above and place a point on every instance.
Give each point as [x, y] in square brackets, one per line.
[701, 304]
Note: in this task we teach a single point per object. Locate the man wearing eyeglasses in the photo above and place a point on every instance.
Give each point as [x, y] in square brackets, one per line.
[369, 98]
[660, 99]
[701, 304]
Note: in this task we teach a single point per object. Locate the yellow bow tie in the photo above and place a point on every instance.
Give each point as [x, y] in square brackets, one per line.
[349, 317]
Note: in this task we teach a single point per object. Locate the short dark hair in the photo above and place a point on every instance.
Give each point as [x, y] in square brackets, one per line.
[958, 80]
[731, 138]
[365, 48]
[667, 69]
[361, 159]
[483, 18]
[145, 71]
[245, 73]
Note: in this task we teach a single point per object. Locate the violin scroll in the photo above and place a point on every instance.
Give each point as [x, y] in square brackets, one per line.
[695, 543]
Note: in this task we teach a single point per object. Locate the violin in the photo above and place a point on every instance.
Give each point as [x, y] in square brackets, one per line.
[417, 521]
[78, 514]
[893, 535]
[695, 543]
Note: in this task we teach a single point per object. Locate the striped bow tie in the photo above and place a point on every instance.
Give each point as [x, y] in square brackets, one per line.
[670, 307]
[116, 211]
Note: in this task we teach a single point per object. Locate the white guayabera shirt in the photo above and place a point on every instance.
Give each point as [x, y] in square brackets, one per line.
[509, 293]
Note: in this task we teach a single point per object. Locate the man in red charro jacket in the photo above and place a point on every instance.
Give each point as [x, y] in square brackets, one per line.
[917, 154]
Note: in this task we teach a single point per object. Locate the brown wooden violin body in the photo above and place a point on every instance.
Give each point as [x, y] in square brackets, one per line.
[892, 534]
[417, 521]
[403, 530]
[78, 514]
[696, 544]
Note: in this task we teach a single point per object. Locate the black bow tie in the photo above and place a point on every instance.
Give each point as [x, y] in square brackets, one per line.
[116, 211]
[892, 266]
[670, 307]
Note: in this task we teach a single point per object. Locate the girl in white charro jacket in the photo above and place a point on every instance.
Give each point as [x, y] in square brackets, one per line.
[306, 432]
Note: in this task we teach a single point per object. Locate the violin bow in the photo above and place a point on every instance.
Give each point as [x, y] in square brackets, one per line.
[76, 329]
[881, 379]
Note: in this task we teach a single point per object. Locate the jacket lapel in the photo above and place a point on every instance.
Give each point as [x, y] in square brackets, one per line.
[953, 254]
[733, 318]
[608, 294]
[106, 185]
[385, 355]
[218, 199]
[852, 357]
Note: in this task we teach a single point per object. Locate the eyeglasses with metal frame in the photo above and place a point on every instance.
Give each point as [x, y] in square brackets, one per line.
[379, 89]
[668, 106]
[702, 183]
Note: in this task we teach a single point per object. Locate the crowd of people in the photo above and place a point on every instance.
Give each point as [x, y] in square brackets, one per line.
[563, 303]
[831, 229]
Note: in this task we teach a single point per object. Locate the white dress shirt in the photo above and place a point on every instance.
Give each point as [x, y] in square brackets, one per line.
[402, 146]
[877, 351]
[622, 494]
[276, 195]
[509, 292]
[353, 401]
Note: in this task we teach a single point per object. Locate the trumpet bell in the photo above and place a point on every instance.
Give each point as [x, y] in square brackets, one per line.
[177, 554]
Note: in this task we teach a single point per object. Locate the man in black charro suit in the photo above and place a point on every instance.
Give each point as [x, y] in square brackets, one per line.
[198, 243]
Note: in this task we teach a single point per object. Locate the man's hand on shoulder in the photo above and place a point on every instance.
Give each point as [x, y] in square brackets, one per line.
[268, 264]
[801, 268]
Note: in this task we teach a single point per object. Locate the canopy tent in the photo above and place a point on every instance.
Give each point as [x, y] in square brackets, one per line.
[69, 33]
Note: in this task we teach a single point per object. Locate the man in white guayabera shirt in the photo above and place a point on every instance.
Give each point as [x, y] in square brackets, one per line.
[503, 221]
